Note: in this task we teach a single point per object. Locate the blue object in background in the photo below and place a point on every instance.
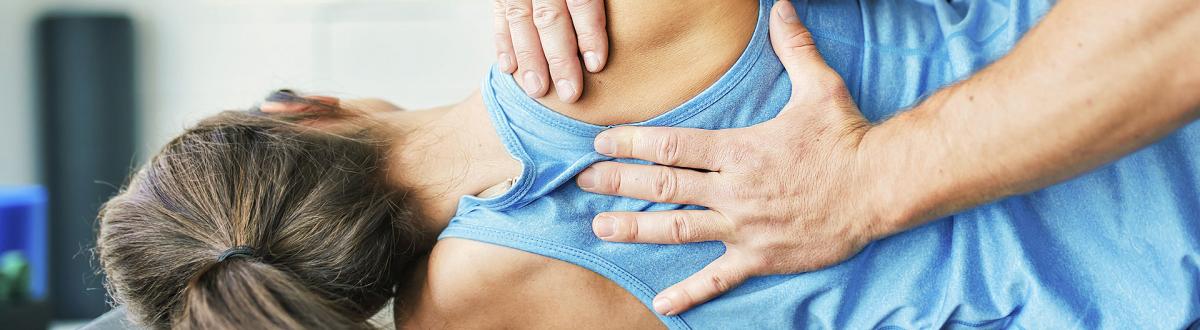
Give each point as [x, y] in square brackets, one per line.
[23, 228]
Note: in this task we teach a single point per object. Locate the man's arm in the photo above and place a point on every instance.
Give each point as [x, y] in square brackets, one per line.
[1094, 81]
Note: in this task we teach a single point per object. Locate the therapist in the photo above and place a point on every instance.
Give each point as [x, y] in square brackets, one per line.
[1094, 81]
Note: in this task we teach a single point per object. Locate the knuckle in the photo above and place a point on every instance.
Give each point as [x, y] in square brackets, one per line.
[517, 13]
[668, 148]
[613, 181]
[719, 282]
[679, 230]
[801, 43]
[631, 232]
[502, 36]
[526, 55]
[666, 184]
[587, 38]
[545, 15]
[558, 61]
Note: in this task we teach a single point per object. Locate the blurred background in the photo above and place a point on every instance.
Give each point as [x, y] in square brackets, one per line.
[91, 87]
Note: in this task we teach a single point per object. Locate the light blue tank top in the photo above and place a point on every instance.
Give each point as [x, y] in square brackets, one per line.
[1118, 247]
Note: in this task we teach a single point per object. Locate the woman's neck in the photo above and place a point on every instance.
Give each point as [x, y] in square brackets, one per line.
[442, 154]
[661, 53]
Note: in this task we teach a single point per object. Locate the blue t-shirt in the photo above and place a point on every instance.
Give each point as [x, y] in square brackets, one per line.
[1117, 247]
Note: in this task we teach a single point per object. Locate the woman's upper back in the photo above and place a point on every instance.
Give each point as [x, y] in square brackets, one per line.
[998, 267]
[543, 215]
[469, 284]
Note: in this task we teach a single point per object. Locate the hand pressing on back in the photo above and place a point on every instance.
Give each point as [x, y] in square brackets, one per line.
[542, 42]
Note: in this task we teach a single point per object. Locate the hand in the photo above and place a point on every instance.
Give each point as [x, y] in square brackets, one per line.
[287, 101]
[540, 36]
[788, 195]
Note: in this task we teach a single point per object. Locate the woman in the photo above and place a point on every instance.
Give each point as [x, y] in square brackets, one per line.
[281, 219]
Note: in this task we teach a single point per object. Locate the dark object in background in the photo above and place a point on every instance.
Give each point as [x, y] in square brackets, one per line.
[88, 118]
[14, 278]
[17, 309]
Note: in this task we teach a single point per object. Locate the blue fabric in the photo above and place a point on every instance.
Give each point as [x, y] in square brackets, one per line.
[1118, 247]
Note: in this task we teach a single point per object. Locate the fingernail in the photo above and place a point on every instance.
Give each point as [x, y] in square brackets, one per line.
[788, 13]
[587, 179]
[604, 226]
[663, 306]
[605, 145]
[591, 61]
[566, 90]
[532, 83]
[505, 62]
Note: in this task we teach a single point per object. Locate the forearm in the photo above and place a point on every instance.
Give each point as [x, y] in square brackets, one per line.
[1095, 81]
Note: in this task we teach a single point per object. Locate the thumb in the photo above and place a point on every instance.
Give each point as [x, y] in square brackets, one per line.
[794, 44]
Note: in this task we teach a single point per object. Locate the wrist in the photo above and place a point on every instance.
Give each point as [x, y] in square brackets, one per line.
[897, 198]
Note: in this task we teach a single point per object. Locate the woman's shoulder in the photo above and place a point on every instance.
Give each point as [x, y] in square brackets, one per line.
[469, 283]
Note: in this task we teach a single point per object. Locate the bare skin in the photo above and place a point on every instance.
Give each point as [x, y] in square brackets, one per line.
[467, 284]
[1094, 81]
[525, 291]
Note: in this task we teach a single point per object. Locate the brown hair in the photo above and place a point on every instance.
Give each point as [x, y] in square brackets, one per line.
[329, 238]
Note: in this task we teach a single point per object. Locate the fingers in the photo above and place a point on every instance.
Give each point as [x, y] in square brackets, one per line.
[812, 79]
[527, 47]
[504, 45]
[793, 43]
[539, 42]
[665, 227]
[679, 147]
[648, 182]
[299, 104]
[591, 30]
[722, 275]
[553, 23]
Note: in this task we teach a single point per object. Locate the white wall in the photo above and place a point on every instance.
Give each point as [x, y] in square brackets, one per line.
[17, 155]
[198, 57]
[213, 55]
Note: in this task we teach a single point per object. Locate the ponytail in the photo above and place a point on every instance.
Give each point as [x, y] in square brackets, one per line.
[246, 221]
[241, 293]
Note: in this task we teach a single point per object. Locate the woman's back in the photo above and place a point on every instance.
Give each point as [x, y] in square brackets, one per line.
[545, 213]
[996, 265]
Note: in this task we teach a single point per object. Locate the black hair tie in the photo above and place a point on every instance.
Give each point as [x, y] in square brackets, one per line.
[237, 251]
